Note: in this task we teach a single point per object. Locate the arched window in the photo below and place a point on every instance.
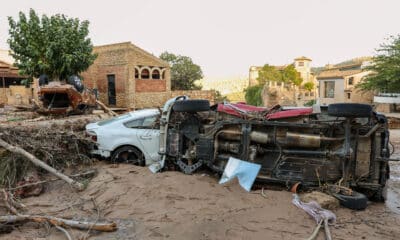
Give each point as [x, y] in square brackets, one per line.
[145, 74]
[155, 74]
[137, 73]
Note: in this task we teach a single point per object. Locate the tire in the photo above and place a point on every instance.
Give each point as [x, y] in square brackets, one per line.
[128, 154]
[191, 105]
[355, 201]
[349, 110]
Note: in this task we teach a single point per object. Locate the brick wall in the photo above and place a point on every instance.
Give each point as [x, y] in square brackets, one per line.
[120, 59]
[150, 85]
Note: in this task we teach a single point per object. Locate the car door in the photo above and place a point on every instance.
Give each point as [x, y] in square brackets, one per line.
[147, 133]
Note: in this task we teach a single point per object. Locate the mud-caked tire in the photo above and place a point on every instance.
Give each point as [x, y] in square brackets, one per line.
[352, 110]
[128, 154]
[191, 105]
[355, 201]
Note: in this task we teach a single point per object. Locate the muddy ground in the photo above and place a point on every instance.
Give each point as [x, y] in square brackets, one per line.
[171, 205]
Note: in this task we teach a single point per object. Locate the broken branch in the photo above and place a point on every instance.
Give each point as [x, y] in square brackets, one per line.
[106, 109]
[83, 225]
[79, 186]
[88, 173]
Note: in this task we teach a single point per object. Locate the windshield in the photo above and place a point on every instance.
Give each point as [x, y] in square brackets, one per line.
[111, 120]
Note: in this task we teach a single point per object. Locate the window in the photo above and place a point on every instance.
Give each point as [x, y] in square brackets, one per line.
[348, 95]
[351, 79]
[306, 94]
[148, 122]
[108, 121]
[145, 74]
[311, 94]
[329, 89]
[155, 74]
[301, 64]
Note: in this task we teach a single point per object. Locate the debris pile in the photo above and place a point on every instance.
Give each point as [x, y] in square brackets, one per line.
[59, 143]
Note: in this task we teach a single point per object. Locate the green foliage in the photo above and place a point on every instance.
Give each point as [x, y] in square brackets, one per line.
[310, 103]
[268, 73]
[290, 75]
[184, 73]
[253, 95]
[219, 97]
[385, 70]
[309, 86]
[287, 75]
[57, 46]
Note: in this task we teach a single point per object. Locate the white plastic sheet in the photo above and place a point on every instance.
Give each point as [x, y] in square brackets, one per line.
[246, 172]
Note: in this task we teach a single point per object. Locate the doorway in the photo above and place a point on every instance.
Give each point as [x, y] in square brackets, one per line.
[111, 90]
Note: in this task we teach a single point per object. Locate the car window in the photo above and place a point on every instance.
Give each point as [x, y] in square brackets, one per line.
[111, 120]
[148, 122]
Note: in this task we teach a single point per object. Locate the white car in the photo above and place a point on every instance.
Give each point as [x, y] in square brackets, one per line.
[132, 137]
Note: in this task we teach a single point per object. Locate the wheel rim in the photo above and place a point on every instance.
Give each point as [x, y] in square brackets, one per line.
[128, 157]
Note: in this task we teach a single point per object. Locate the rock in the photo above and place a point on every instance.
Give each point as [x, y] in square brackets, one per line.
[326, 201]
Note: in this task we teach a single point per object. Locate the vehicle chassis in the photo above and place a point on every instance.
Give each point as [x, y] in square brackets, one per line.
[314, 150]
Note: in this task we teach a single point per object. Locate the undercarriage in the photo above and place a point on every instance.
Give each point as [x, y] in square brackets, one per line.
[315, 150]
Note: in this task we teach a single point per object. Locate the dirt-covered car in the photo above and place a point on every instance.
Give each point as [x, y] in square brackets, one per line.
[65, 97]
[343, 146]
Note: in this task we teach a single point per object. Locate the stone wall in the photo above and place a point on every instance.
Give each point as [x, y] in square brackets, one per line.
[157, 99]
[3, 96]
[196, 94]
[150, 100]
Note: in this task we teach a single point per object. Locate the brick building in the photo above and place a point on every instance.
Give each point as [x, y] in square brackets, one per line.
[129, 77]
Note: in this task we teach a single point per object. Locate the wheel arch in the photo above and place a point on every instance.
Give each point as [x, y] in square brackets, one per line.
[128, 145]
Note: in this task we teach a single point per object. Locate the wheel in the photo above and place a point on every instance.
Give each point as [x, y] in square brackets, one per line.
[191, 105]
[355, 201]
[128, 154]
[349, 110]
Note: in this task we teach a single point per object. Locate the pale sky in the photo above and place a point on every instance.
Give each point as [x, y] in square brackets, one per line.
[226, 37]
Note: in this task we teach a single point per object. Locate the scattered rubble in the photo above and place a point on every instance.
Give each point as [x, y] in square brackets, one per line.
[324, 200]
[122, 193]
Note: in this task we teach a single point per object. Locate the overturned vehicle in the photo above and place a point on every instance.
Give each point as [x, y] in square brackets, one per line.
[344, 145]
[65, 97]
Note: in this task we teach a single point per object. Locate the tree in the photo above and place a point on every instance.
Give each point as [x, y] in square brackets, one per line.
[184, 73]
[219, 97]
[268, 73]
[291, 75]
[288, 75]
[253, 95]
[309, 86]
[56, 46]
[385, 69]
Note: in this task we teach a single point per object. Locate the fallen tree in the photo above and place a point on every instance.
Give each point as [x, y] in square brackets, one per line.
[79, 186]
[58, 143]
